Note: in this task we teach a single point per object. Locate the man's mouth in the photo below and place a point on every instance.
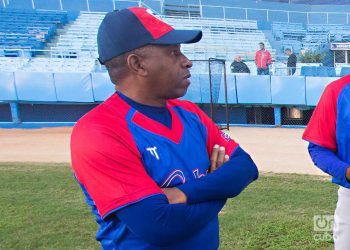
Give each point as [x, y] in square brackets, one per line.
[187, 76]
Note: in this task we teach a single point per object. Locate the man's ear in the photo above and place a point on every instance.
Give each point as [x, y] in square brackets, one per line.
[136, 65]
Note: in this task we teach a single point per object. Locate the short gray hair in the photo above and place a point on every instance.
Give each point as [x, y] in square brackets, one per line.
[117, 66]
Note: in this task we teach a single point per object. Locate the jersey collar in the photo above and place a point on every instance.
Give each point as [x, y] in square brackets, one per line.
[174, 133]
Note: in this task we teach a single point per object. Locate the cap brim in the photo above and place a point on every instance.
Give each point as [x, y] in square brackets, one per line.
[179, 36]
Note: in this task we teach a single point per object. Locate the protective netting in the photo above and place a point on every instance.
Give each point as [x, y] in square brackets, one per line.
[295, 116]
[53, 112]
[209, 88]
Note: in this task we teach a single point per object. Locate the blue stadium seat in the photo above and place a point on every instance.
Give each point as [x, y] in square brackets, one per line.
[331, 72]
[318, 71]
[309, 71]
[345, 71]
[27, 29]
[322, 71]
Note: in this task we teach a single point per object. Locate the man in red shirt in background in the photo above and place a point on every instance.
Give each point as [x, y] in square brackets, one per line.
[263, 60]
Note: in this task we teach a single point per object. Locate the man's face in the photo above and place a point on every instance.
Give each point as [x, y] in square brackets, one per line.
[238, 59]
[262, 46]
[288, 52]
[168, 71]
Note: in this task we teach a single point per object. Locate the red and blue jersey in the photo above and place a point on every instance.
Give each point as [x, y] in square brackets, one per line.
[120, 156]
[329, 126]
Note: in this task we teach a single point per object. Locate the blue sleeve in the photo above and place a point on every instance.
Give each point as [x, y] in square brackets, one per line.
[162, 224]
[328, 162]
[225, 182]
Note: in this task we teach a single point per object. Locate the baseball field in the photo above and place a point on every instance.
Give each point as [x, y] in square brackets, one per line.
[43, 207]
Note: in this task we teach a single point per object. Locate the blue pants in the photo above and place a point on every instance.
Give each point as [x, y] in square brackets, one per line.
[263, 71]
[291, 71]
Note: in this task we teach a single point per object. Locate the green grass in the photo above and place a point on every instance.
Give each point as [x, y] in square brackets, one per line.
[43, 208]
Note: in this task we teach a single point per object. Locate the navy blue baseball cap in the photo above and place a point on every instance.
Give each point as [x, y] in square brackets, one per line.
[124, 30]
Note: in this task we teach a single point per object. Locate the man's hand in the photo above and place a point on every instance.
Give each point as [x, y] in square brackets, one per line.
[174, 195]
[218, 157]
[348, 174]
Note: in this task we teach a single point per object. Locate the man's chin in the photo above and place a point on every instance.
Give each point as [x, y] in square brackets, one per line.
[182, 93]
[178, 95]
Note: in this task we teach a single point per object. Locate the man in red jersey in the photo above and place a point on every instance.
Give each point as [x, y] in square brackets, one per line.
[329, 135]
[147, 162]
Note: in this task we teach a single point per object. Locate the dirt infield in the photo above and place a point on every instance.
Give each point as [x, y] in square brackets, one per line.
[273, 149]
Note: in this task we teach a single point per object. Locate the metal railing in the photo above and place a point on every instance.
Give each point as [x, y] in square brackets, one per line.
[52, 53]
[268, 13]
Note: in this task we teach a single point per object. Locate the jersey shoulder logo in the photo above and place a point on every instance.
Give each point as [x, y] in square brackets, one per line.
[225, 136]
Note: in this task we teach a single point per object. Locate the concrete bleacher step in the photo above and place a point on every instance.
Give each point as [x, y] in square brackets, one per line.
[273, 42]
[53, 42]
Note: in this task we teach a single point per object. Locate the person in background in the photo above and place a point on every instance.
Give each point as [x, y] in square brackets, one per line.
[292, 61]
[238, 66]
[262, 60]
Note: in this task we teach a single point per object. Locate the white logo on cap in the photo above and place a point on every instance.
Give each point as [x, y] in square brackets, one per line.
[150, 12]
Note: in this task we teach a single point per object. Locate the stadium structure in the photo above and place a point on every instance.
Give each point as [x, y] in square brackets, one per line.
[50, 75]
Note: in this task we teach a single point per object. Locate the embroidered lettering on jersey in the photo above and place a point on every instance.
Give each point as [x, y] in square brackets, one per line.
[197, 175]
[175, 174]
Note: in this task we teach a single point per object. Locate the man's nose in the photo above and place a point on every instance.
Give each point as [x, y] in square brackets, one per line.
[188, 63]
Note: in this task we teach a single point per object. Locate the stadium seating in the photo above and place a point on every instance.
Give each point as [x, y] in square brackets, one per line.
[336, 33]
[80, 38]
[308, 71]
[288, 31]
[12, 64]
[60, 65]
[294, 45]
[312, 38]
[318, 71]
[325, 71]
[27, 29]
[222, 38]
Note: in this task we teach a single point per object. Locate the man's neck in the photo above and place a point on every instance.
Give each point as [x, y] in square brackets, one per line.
[141, 97]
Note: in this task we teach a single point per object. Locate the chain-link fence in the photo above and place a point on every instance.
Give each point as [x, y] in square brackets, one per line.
[5, 112]
[245, 115]
[341, 57]
[295, 116]
[53, 112]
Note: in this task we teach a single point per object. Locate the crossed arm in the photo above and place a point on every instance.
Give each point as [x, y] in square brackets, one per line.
[231, 176]
[198, 201]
